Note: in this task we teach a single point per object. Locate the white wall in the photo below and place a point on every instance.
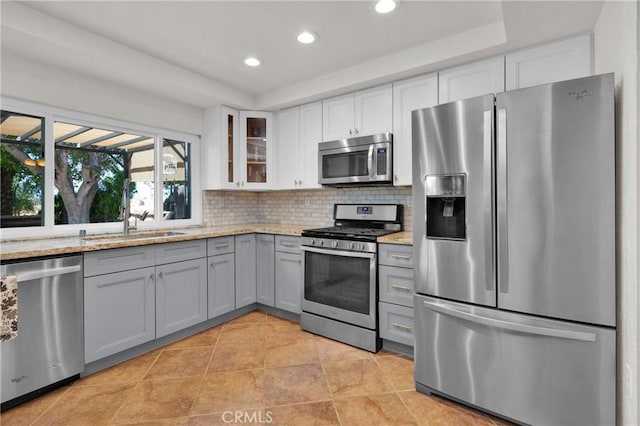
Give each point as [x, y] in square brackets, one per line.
[616, 50]
[26, 79]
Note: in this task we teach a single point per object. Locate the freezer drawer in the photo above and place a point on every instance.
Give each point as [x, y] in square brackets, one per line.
[529, 369]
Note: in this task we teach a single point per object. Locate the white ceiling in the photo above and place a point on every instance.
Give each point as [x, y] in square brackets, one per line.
[192, 51]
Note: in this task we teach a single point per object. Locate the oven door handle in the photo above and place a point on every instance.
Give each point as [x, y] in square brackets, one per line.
[345, 253]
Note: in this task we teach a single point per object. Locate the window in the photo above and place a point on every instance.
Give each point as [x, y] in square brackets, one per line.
[91, 165]
[82, 180]
[176, 180]
[21, 170]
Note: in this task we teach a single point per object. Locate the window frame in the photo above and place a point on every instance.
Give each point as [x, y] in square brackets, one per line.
[53, 114]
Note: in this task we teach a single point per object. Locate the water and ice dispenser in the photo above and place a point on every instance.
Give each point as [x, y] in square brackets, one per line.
[446, 206]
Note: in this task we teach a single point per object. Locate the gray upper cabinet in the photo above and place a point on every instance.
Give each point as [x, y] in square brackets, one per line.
[245, 270]
[221, 297]
[119, 312]
[181, 295]
[265, 269]
[288, 264]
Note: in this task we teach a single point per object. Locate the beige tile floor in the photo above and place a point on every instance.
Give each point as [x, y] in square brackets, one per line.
[256, 369]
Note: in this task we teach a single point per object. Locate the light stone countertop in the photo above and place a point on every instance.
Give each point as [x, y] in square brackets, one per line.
[22, 249]
[403, 238]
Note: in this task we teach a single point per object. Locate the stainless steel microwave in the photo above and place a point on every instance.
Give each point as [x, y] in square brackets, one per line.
[361, 160]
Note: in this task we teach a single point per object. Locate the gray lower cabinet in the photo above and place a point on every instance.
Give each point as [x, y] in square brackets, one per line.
[245, 246]
[288, 274]
[221, 284]
[181, 295]
[265, 269]
[132, 306]
[119, 312]
[395, 283]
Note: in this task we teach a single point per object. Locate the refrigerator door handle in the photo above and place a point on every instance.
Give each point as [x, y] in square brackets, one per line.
[488, 200]
[512, 326]
[503, 241]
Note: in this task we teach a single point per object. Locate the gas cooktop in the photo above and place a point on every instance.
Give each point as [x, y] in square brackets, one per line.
[344, 232]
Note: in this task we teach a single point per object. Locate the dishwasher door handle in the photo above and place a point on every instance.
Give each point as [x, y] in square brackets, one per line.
[45, 273]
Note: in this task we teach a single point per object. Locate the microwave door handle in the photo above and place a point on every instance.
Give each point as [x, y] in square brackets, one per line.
[370, 162]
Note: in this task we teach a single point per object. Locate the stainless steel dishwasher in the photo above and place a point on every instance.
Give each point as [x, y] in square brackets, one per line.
[49, 346]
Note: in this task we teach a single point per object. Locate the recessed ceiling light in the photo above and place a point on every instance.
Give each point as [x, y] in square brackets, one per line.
[307, 37]
[385, 6]
[252, 61]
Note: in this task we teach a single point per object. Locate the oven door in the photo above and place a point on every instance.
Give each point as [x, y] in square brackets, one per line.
[340, 285]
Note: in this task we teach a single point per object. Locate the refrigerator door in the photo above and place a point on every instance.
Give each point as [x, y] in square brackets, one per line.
[532, 370]
[453, 200]
[556, 200]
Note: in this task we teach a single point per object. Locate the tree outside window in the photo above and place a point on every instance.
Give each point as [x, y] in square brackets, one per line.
[91, 165]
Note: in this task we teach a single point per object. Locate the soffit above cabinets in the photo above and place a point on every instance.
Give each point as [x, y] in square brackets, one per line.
[193, 51]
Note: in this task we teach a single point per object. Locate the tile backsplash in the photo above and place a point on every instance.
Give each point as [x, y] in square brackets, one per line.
[301, 207]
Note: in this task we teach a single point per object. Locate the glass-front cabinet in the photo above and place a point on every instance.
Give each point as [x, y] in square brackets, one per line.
[246, 150]
[255, 149]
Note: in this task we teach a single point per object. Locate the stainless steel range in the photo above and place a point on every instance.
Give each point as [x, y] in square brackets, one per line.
[340, 294]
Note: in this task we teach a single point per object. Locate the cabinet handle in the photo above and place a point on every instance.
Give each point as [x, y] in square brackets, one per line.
[299, 261]
[287, 245]
[151, 276]
[401, 256]
[238, 183]
[402, 326]
[350, 132]
[161, 275]
[212, 265]
[357, 131]
[242, 184]
[400, 287]
[221, 246]
[395, 178]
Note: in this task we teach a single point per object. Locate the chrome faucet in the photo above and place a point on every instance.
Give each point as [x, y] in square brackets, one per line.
[125, 211]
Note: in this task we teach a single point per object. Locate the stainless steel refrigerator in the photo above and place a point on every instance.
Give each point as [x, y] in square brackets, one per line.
[514, 241]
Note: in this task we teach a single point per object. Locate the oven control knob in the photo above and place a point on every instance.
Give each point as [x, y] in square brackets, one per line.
[351, 245]
[361, 246]
[320, 242]
[313, 242]
[334, 244]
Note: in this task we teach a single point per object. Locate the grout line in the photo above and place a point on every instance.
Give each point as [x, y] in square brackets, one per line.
[48, 407]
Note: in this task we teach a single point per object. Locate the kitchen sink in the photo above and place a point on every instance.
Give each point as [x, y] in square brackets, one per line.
[132, 236]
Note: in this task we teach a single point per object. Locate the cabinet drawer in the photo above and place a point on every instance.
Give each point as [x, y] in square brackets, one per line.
[396, 323]
[396, 285]
[179, 251]
[396, 255]
[222, 245]
[288, 244]
[116, 260]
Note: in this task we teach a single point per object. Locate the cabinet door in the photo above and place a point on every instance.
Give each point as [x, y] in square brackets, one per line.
[181, 295]
[265, 269]
[374, 110]
[338, 117]
[408, 95]
[287, 148]
[257, 150]
[310, 136]
[288, 281]
[470, 80]
[119, 312]
[231, 156]
[245, 270]
[221, 283]
[563, 60]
